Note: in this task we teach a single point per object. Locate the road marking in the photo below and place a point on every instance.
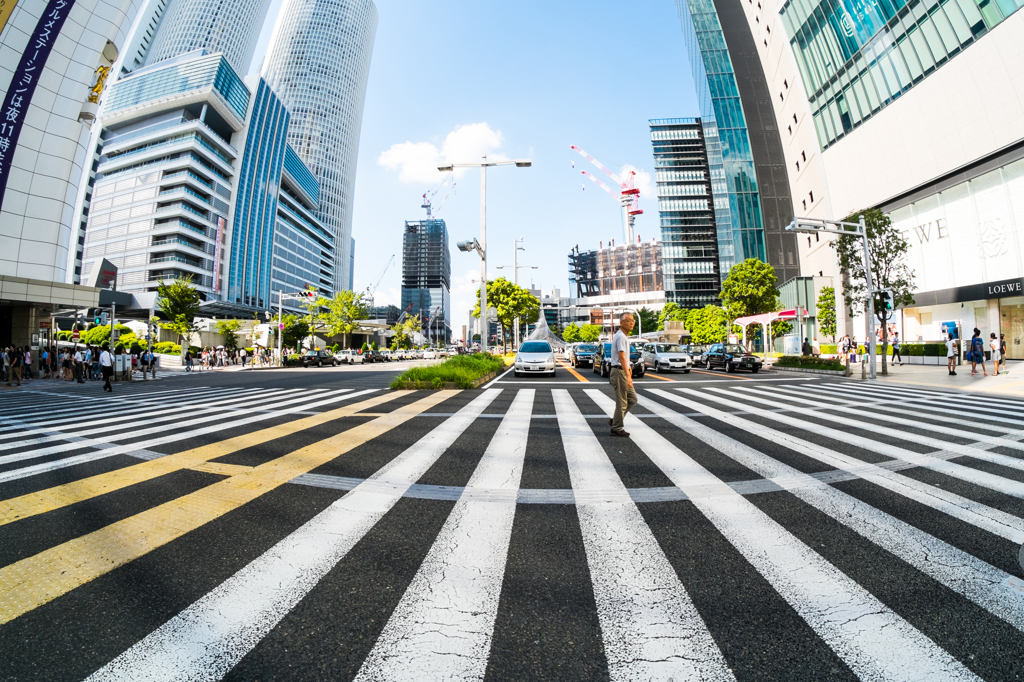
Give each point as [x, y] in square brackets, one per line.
[38, 579]
[732, 377]
[499, 377]
[211, 636]
[446, 617]
[869, 636]
[961, 572]
[199, 458]
[974, 513]
[983, 412]
[657, 376]
[573, 371]
[108, 450]
[649, 626]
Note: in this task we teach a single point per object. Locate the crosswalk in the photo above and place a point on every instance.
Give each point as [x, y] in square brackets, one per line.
[784, 530]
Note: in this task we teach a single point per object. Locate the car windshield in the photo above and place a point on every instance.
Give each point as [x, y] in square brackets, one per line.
[586, 349]
[310, 352]
[735, 348]
[670, 348]
[535, 347]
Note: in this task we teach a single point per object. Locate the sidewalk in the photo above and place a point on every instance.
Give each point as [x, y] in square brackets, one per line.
[1011, 384]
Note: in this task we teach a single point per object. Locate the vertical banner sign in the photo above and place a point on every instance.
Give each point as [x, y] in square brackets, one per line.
[216, 255]
[23, 84]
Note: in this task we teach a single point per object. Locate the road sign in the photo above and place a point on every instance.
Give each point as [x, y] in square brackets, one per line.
[74, 335]
[281, 326]
[44, 324]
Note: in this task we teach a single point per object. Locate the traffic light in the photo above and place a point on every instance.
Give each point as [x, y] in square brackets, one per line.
[104, 318]
[310, 294]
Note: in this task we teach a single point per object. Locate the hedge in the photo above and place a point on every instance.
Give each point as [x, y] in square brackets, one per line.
[833, 349]
[461, 370]
[809, 362]
[931, 350]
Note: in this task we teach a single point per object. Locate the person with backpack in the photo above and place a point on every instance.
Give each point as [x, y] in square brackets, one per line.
[896, 348]
[977, 353]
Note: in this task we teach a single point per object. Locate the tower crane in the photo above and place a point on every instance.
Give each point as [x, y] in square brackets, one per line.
[628, 195]
[370, 292]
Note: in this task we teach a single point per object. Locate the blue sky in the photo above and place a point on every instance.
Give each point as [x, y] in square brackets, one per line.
[525, 79]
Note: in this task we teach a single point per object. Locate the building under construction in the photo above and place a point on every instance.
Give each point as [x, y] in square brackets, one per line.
[621, 269]
[426, 275]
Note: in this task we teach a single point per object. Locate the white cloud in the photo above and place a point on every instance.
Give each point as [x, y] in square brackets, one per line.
[387, 296]
[418, 161]
[465, 289]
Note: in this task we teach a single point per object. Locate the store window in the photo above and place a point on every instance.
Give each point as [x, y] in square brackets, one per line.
[1011, 326]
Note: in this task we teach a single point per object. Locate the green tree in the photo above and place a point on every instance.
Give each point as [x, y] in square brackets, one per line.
[648, 321]
[344, 312]
[707, 324]
[589, 333]
[295, 329]
[509, 302]
[671, 311]
[179, 302]
[404, 330]
[826, 312]
[571, 334]
[229, 329]
[750, 289]
[99, 335]
[316, 313]
[889, 268]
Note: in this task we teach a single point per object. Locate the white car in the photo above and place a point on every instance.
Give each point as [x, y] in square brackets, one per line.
[667, 356]
[429, 354]
[534, 357]
[348, 357]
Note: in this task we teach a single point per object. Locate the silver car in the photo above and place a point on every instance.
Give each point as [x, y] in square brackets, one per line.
[667, 356]
[535, 357]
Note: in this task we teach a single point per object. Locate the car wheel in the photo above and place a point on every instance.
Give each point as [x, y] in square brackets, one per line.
[729, 368]
[605, 370]
[754, 371]
[707, 365]
[515, 373]
[319, 363]
[641, 373]
[686, 371]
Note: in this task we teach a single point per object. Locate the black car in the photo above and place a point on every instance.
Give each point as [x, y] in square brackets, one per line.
[319, 358]
[602, 360]
[731, 356]
[373, 356]
[582, 354]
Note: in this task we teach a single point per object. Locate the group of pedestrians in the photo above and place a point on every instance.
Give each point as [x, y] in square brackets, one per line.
[213, 358]
[78, 364]
[976, 354]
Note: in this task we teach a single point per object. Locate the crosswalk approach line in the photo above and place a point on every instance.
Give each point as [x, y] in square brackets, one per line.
[36, 580]
[211, 636]
[996, 591]
[979, 515]
[874, 641]
[649, 626]
[31, 504]
[107, 450]
[969, 450]
[118, 423]
[929, 461]
[445, 619]
[965, 399]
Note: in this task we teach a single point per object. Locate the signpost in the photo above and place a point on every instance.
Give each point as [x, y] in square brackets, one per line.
[75, 336]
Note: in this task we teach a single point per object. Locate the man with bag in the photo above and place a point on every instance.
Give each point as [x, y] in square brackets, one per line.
[621, 377]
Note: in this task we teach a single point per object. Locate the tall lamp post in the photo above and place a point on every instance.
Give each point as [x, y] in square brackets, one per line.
[481, 246]
[515, 269]
[859, 230]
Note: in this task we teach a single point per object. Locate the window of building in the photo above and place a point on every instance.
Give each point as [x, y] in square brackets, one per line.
[805, 204]
[798, 166]
[790, 129]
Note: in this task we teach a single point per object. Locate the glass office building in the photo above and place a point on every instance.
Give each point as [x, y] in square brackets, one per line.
[747, 168]
[857, 58]
[689, 238]
[426, 276]
[319, 63]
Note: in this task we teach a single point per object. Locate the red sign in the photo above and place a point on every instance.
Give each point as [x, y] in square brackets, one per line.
[74, 335]
[44, 325]
[281, 326]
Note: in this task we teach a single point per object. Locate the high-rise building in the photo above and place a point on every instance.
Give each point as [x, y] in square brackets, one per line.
[230, 27]
[318, 63]
[426, 275]
[689, 240]
[617, 269]
[747, 165]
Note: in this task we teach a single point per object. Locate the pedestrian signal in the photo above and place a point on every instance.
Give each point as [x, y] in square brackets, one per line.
[885, 295]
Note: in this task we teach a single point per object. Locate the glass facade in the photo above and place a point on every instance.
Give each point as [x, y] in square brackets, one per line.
[178, 78]
[733, 178]
[427, 273]
[293, 166]
[689, 238]
[256, 191]
[856, 57]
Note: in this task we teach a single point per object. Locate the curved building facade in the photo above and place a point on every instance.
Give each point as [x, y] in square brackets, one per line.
[319, 63]
[230, 27]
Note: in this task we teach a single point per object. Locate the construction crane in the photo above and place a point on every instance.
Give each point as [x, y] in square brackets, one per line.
[628, 196]
[370, 292]
[433, 193]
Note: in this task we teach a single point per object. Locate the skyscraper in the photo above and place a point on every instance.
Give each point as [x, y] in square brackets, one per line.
[230, 27]
[427, 275]
[318, 63]
[689, 244]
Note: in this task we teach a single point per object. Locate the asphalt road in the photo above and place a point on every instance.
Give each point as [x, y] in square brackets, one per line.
[309, 524]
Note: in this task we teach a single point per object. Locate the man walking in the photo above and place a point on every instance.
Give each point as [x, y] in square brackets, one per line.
[107, 367]
[78, 366]
[896, 349]
[622, 374]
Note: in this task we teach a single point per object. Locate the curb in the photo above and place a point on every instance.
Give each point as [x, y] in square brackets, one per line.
[808, 370]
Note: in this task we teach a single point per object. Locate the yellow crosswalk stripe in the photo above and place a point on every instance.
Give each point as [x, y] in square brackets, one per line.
[87, 488]
[36, 580]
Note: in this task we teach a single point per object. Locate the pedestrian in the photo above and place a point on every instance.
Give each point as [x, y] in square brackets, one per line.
[805, 349]
[107, 367]
[622, 374]
[188, 359]
[1002, 352]
[44, 363]
[78, 366]
[997, 357]
[951, 355]
[8, 369]
[17, 362]
[65, 365]
[896, 348]
[242, 354]
[28, 363]
[977, 353]
[815, 347]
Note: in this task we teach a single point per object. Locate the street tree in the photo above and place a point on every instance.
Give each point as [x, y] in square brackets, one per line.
[316, 313]
[295, 329]
[509, 301]
[707, 324]
[889, 269]
[671, 311]
[229, 330]
[179, 303]
[648, 321]
[826, 312]
[403, 332]
[344, 312]
[571, 334]
[750, 289]
[589, 333]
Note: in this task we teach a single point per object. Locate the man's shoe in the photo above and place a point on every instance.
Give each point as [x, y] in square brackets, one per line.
[610, 422]
[621, 433]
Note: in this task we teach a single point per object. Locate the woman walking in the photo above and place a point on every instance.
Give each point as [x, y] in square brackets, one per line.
[977, 353]
[951, 355]
[997, 357]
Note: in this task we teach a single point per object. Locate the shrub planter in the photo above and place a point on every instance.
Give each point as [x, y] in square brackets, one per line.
[808, 370]
[447, 386]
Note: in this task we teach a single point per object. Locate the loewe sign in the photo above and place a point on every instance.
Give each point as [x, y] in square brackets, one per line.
[1004, 288]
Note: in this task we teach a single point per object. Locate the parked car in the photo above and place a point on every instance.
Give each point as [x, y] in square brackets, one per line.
[667, 356]
[387, 355]
[732, 356]
[603, 365]
[534, 357]
[348, 357]
[318, 358]
[372, 356]
[582, 354]
[429, 354]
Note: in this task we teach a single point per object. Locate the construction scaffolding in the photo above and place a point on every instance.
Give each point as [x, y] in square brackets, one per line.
[622, 269]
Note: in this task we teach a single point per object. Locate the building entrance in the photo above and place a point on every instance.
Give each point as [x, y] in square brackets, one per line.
[1011, 317]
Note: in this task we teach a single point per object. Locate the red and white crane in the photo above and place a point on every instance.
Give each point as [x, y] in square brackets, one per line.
[628, 196]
